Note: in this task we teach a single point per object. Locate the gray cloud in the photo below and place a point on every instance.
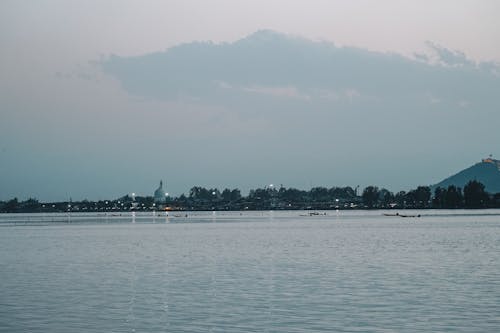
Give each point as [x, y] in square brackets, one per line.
[269, 108]
[293, 67]
[327, 109]
[449, 57]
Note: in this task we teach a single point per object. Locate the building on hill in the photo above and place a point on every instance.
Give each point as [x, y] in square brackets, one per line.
[492, 161]
[160, 196]
[486, 172]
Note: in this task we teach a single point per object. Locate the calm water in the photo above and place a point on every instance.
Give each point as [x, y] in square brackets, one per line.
[250, 272]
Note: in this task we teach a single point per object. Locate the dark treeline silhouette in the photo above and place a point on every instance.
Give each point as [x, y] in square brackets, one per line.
[473, 195]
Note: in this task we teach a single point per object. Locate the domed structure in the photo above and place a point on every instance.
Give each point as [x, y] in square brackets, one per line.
[160, 196]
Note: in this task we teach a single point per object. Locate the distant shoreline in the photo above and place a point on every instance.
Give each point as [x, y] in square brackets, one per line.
[473, 196]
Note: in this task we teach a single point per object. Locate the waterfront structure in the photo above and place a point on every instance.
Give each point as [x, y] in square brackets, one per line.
[160, 196]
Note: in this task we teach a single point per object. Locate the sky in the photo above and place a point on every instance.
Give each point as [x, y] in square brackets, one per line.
[103, 98]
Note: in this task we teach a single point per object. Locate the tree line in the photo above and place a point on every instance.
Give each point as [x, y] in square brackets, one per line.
[473, 195]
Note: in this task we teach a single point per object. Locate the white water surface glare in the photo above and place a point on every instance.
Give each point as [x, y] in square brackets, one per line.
[347, 271]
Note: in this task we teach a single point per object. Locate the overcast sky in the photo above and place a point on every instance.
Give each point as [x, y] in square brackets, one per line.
[72, 127]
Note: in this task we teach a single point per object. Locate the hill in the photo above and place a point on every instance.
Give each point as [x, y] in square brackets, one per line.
[486, 172]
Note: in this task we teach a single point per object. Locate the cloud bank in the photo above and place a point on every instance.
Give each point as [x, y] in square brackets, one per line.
[269, 108]
[282, 66]
[326, 110]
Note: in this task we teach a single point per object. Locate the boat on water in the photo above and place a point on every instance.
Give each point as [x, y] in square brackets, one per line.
[313, 214]
[401, 215]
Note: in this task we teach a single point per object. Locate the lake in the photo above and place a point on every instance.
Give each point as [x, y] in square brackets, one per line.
[278, 271]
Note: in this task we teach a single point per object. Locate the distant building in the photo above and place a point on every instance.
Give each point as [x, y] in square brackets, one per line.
[492, 161]
[160, 196]
[486, 172]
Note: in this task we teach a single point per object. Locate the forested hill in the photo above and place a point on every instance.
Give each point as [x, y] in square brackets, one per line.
[483, 172]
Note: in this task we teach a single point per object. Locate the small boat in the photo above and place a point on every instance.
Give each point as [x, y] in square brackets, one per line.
[401, 215]
[387, 214]
[409, 215]
[313, 214]
[316, 213]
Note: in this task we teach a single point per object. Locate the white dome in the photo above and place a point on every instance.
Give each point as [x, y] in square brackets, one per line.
[160, 195]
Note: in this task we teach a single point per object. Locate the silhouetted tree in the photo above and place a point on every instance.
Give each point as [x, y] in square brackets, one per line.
[292, 195]
[259, 194]
[341, 193]
[198, 193]
[30, 205]
[453, 197]
[422, 196]
[495, 202]
[231, 195]
[439, 200]
[181, 200]
[11, 206]
[370, 196]
[386, 197]
[400, 199]
[411, 199]
[475, 196]
[319, 194]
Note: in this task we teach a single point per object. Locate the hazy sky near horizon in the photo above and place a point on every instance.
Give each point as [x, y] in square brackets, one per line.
[86, 29]
[70, 129]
